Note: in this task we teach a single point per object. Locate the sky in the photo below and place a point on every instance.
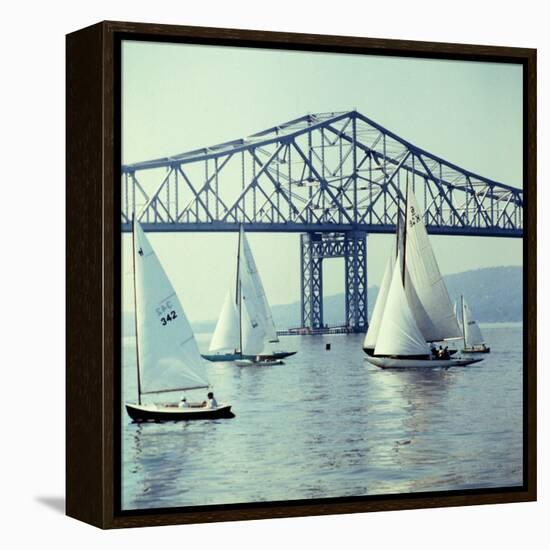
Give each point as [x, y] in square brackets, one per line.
[178, 97]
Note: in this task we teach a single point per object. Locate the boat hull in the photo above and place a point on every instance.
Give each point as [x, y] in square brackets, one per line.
[476, 350]
[250, 363]
[153, 413]
[228, 357]
[370, 351]
[403, 363]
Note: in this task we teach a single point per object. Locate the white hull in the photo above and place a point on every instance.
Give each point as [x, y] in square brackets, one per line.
[263, 363]
[394, 363]
[477, 349]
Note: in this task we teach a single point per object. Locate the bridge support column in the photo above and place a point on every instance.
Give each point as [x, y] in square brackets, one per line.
[315, 247]
[312, 280]
[356, 280]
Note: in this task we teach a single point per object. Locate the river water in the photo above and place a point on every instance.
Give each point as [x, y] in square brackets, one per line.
[329, 424]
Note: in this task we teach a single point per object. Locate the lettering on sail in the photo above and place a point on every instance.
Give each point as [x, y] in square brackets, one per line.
[166, 312]
[415, 218]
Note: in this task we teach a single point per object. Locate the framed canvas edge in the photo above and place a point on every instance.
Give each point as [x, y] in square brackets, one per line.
[91, 489]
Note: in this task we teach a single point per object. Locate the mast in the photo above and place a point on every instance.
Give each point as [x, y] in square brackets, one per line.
[397, 233]
[238, 293]
[463, 321]
[405, 230]
[135, 308]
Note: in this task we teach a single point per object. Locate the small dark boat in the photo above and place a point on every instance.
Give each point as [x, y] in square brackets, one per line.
[161, 413]
[167, 358]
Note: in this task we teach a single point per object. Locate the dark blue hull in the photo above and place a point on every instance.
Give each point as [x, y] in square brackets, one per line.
[234, 356]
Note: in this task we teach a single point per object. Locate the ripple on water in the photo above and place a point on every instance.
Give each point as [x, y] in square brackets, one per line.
[329, 424]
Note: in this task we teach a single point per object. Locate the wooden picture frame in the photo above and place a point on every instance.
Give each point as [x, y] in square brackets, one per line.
[93, 224]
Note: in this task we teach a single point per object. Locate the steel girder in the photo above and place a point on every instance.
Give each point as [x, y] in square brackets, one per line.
[327, 171]
[316, 247]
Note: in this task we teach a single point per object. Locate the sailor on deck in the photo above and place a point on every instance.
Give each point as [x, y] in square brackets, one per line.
[183, 403]
[211, 402]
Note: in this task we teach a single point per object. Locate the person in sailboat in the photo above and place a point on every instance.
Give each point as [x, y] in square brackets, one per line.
[434, 352]
[183, 404]
[210, 402]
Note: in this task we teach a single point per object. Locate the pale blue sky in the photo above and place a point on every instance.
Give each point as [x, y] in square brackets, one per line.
[181, 97]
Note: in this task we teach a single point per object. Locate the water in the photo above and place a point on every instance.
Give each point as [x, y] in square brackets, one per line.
[329, 424]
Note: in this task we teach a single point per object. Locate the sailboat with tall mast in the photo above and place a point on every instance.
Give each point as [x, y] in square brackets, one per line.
[415, 308]
[245, 328]
[168, 358]
[473, 339]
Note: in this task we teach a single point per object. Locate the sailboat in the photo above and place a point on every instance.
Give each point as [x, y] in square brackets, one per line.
[168, 358]
[415, 309]
[371, 336]
[245, 328]
[473, 339]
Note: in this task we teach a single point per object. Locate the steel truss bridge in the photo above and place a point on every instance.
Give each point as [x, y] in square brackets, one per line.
[334, 178]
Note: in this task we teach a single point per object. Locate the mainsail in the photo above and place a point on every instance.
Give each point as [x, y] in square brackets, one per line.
[226, 335]
[425, 287]
[374, 325]
[168, 355]
[253, 334]
[253, 289]
[399, 334]
[472, 332]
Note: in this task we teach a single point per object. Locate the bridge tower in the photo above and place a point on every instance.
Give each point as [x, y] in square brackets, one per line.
[316, 247]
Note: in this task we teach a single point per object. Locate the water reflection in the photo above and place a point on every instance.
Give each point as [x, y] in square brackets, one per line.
[327, 423]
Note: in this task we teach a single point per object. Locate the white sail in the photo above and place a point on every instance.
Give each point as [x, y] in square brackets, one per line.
[252, 284]
[472, 332]
[226, 335]
[417, 307]
[399, 333]
[253, 333]
[169, 358]
[431, 306]
[378, 311]
[374, 326]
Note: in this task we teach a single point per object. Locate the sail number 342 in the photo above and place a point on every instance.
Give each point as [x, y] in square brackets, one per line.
[166, 313]
[170, 317]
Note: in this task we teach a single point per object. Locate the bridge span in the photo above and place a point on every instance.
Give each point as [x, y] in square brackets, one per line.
[334, 178]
